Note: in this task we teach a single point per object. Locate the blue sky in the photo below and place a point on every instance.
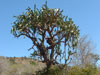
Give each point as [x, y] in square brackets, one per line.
[85, 14]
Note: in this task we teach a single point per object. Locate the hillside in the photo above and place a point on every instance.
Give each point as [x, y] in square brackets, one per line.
[28, 66]
[19, 66]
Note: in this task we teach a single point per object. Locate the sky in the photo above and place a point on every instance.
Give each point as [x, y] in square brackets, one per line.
[84, 13]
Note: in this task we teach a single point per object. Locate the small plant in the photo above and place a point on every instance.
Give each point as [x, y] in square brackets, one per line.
[32, 62]
[12, 61]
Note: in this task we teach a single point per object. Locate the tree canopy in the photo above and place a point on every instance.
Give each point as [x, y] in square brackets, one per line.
[49, 30]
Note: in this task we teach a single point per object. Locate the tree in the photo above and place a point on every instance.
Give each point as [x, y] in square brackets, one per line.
[84, 54]
[48, 29]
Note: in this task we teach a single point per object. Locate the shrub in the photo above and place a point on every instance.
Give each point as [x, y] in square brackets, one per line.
[53, 70]
[88, 70]
[12, 61]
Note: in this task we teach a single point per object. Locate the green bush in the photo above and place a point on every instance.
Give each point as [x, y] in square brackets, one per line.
[88, 70]
[54, 70]
[75, 71]
[12, 61]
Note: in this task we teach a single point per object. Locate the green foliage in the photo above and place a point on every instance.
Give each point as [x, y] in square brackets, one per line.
[12, 61]
[88, 70]
[53, 70]
[27, 22]
[75, 71]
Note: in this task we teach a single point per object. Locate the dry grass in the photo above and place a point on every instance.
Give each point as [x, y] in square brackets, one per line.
[19, 66]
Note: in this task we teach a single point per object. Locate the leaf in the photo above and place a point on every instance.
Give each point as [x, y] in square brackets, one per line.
[70, 53]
